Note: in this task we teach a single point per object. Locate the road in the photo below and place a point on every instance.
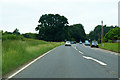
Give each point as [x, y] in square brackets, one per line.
[77, 61]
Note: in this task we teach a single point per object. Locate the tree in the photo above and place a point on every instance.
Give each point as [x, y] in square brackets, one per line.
[91, 35]
[16, 31]
[52, 27]
[113, 34]
[77, 32]
[87, 36]
[96, 33]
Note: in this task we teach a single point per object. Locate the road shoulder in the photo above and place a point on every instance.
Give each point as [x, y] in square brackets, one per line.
[104, 50]
[108, 51]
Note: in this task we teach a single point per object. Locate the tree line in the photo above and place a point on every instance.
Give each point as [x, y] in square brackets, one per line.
[110, 33]
[54, 27]
[16, 35]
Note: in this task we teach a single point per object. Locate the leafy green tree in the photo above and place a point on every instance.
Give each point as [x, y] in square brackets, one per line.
[16, 31]
[96, 33]
[113, 34]
[87, 36]
[52, 27]
[77, 32]
[91, 35]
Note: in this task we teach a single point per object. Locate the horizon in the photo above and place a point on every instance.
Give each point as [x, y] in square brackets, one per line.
[69, 25]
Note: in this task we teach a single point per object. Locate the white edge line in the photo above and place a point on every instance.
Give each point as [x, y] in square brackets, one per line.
[29, 64]
[95, 60]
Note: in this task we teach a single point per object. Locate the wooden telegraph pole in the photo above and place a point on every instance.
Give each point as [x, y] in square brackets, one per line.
[102, 32]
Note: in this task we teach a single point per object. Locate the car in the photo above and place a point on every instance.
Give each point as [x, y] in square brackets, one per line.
[67, 43]
[94, 44]
[80, 42]
[72, 42]
[87, 43]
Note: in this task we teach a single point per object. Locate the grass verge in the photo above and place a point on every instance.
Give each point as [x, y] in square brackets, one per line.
[111, 46]
[17, 52]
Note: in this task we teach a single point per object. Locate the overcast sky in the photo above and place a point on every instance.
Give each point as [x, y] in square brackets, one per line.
[24, 14]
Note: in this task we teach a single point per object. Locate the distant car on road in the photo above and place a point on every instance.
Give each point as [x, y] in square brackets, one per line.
[94, 44]
[67, 43]
[87, 43]
[72, 42]
[80, 42]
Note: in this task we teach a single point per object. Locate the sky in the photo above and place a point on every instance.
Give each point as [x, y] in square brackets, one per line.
[24, 14]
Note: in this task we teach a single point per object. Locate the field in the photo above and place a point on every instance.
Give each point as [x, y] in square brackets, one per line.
[111, 46]
[18, 52]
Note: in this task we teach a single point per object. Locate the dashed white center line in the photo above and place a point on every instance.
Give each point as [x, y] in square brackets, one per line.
[80, 52]
[90, 58]
[75, 48]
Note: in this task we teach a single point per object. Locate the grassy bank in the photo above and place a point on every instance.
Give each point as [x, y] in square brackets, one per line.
[18, 52]
[111, 46]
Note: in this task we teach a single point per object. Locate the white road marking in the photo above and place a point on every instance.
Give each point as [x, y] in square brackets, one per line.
[75, 48]
[80, 52]
[29, 64]
[90, 58]
[95, 60]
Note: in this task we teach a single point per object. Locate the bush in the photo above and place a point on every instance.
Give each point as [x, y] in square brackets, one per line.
[31, 35]
[12, 37]
[105, 39]
[113, 34]
[109, 41]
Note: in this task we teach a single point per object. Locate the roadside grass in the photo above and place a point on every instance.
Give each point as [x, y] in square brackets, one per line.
[111, 46]
[17, 52]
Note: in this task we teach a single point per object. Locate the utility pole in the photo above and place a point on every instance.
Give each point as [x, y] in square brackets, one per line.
[102, 32]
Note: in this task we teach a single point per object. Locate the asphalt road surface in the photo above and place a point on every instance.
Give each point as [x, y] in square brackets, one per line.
[77, 61]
